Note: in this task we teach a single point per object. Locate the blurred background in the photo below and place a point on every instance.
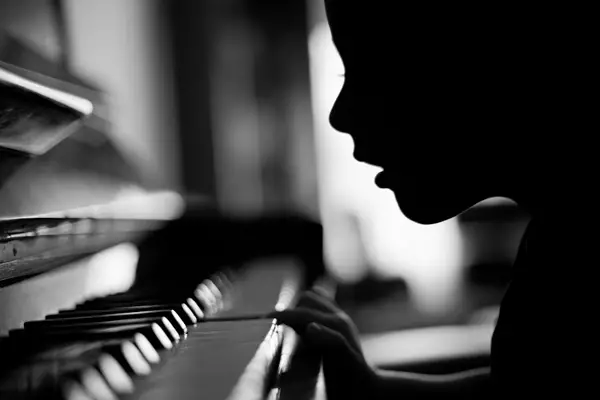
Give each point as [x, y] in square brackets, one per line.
[227, 102]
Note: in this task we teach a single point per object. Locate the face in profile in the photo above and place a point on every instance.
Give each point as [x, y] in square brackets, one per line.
[439, 99]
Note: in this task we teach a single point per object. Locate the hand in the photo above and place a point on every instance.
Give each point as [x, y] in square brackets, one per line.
[325, 327]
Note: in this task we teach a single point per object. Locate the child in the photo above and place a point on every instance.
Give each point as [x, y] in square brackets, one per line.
[459, 103]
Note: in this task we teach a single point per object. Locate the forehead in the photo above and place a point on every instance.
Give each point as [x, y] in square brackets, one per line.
[406, 23]
[364, 34]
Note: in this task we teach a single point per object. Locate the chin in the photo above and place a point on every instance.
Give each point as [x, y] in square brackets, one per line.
[424, 213]
[425, 218]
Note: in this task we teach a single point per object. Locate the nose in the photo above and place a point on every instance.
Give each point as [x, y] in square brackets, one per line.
[340, 116]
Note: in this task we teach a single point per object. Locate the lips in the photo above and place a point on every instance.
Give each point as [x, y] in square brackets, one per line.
[367, 158]
[382, 180]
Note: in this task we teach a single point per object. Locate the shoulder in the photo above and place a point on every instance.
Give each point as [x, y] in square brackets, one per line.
[536, 322]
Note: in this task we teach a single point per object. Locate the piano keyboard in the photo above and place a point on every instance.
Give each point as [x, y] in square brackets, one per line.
[155, 342]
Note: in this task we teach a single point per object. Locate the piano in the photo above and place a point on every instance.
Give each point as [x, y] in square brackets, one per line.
[108, 291]
[111, 291]
[200, 331]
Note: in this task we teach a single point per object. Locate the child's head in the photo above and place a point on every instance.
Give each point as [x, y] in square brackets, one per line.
[458, 103]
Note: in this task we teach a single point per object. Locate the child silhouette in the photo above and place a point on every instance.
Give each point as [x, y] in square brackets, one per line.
[458, 103]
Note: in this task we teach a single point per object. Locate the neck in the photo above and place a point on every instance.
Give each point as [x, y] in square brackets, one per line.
[528, 188]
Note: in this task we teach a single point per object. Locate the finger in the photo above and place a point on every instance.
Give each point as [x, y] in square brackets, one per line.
[299, 318]
[338, 354]
[313, 300]
[324, 290]
[327, 339]
[325, 302]
[346, 339]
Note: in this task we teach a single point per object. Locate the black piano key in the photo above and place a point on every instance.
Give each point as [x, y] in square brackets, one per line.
[182, 309]
[105, 369]
[209, 294]
[137, 294]
[227, 289]
[20, 349]
[115, 375]
[153, 332]
[95, 384]
[186, 306]
[147, 302]
[224, 282]
[159, 294]
[100, 368]
[187, 314]
[195, 307]
[89, 311]
[118, 364]
[71, 389]
[108, 307]
[214, 289]
[129, 357]
[27, 345]
[169, 321]
[180, 313]
[123, 303]
[62, 319]
[45, 375]
[69, 350]
[123, 350]
[207, 299]
[52, 380]
[136, 354]
[203, 296]
[146, 348]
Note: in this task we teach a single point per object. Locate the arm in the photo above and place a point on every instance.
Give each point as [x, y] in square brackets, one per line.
[325, 328]
[473, 384]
